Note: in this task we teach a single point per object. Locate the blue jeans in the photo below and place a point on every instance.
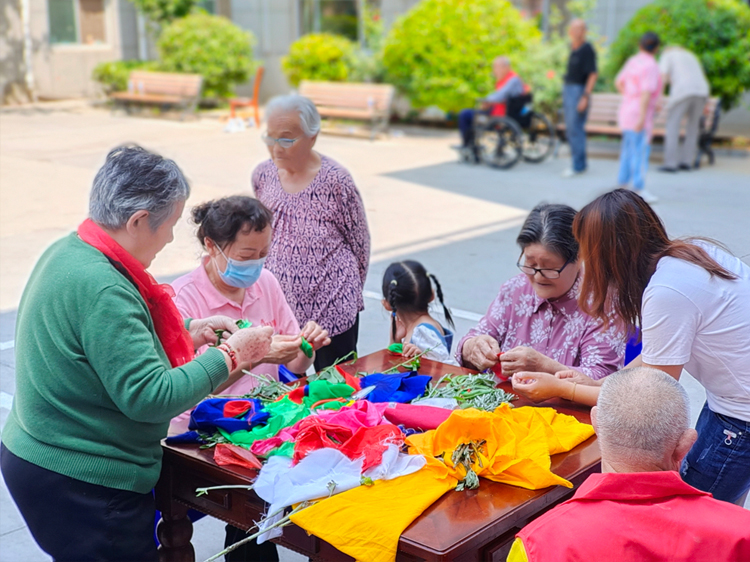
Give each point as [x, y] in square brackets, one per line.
[633, 159]
[466, 126]
[574, 123]
[719, 462]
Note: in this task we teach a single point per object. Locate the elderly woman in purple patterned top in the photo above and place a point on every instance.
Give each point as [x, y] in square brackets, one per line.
[321, 245]
[535, 321]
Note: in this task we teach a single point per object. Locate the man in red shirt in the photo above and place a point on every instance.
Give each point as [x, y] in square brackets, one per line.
[507, 85]
[639, 508]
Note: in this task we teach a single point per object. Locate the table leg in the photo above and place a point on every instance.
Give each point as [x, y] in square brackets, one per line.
[174, 532]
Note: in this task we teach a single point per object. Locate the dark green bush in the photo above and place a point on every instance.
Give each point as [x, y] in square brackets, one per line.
[319, 56]
[717, 31]
[163, 12]
[440, 53]
[211, 46]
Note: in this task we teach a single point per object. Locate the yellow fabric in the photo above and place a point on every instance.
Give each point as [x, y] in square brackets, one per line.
[366, 522]
[517, 552]
[519, 442]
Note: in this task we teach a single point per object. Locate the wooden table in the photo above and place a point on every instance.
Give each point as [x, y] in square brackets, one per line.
[472, 525]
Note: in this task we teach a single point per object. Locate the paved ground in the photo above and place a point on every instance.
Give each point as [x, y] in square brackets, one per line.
[459, 221]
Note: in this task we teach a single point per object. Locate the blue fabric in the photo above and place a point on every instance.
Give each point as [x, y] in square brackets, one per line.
[209, 415]
[286, 376]
[633, 159]
[574, 124]
[400, 387]
[719, 460]
[187, 437]
[446, 338]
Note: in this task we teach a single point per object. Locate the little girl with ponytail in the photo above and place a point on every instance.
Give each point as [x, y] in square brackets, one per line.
[407, 294]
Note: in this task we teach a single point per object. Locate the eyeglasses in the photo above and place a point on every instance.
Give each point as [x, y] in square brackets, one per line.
[283, 143]
[546, 273]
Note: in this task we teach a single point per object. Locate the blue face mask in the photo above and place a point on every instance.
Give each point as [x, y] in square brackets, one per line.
[240, 274]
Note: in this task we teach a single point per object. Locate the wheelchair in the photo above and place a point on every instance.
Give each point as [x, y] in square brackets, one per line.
[500, 142]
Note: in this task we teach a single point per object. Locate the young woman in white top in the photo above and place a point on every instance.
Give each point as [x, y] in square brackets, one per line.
[691, 300]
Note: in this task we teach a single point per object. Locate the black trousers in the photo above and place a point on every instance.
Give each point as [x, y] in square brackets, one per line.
[76, 521]
[251, 551]
[340, 346]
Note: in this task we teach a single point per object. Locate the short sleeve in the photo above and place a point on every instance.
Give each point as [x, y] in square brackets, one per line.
[426, 338]
[670, 324]
[665, 64]
[590, 65]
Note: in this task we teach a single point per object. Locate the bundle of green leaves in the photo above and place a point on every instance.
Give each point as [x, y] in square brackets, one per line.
[717, 31]
[440, 53]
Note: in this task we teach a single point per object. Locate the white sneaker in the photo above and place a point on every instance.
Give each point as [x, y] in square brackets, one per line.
[647, 196]
[570, 173]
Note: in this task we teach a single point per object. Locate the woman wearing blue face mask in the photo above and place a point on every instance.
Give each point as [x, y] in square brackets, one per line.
[236, 234]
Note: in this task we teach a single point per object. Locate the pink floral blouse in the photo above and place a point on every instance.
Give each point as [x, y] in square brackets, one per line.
[558, 329]
[321, 244]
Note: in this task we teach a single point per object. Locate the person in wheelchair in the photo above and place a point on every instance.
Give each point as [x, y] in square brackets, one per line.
[508, 86]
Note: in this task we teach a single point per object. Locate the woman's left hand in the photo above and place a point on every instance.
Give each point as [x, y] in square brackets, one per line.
[538, 387]
[203, 331]
[315, 335]
[526, 359]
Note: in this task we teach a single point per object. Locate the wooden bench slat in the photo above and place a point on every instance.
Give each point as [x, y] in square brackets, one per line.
[162, 88]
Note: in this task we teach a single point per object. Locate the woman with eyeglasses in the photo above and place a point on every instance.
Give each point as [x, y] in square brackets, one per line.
[321, 244]
[535, 323]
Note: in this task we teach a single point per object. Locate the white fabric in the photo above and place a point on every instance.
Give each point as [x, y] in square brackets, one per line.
[703, 323]
[281, 485]
[686, 77]
[425, 338]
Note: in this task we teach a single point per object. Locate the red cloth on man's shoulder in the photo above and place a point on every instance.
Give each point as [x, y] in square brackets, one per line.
[498, 109]
[639, 516]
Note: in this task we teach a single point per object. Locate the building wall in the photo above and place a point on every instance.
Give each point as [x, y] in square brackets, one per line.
[11, 51]
[275, 24]
[609, 16]
[64, 70]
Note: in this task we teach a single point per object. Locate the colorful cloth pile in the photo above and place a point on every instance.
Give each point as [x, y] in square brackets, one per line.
[366, 480]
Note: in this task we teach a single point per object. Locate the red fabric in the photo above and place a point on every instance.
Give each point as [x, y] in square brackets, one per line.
[168, 323]
[236, 407]
[416, 417]
[498, 109]
[368, 442]
[225, 454]
[350, 380]
[639, 516]
[497, 368]
[297, 395]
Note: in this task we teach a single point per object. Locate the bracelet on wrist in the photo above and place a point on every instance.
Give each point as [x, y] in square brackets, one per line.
[229, 350]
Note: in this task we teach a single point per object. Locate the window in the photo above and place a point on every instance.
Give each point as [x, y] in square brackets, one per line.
[208, 5]
[329, 16]
[76, 21]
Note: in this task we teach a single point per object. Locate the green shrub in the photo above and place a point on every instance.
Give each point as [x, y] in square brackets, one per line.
[543, 67]
[717, 31]
[163, 12]
[113, 76]
[440, 53]
[211, 46]
[319, 56]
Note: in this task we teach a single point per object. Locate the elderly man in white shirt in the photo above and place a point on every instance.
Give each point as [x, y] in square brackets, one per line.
[688, 91]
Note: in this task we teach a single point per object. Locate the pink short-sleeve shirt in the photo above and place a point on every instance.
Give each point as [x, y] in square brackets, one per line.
[264, 305]
[639, 75]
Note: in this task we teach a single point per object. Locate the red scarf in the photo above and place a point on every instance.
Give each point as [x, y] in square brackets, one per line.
[498, 109]
[168, 323]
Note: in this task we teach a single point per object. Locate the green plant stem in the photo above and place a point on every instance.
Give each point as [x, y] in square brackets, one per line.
[203, 491]
[408, 363]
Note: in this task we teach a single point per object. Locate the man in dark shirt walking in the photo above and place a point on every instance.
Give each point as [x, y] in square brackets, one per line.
[579, 82]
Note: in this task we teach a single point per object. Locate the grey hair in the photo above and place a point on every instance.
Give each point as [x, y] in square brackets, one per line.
[309, 118]
[134, 179]
[642, 412]
[504, 60]
[550, 225]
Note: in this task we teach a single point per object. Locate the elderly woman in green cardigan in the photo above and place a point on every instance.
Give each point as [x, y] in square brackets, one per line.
[103, 362]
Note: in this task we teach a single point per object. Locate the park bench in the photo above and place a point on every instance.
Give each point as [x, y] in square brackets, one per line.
[602, 120]
[162, 89]
[363, 102]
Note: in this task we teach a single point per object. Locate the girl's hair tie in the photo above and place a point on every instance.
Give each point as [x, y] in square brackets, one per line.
[394, 282]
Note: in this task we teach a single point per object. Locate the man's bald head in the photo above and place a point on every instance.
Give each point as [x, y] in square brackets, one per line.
[577, 31]
[642, 419]
[500, 67]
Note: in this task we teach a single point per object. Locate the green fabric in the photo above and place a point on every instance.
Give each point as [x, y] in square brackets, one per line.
[286, 450]
[284, 413]
[323, 390]
[94, 388]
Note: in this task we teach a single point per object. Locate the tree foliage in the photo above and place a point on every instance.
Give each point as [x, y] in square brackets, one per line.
[717, 31]
[163, 12]
[440, 53]
[211, 46]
